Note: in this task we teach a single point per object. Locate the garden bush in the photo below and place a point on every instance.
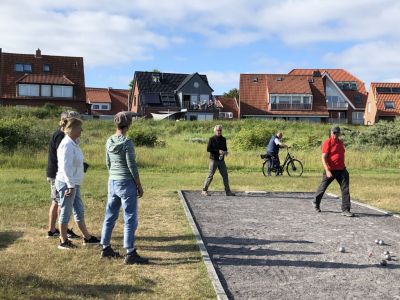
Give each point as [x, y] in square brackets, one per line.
[142, 136]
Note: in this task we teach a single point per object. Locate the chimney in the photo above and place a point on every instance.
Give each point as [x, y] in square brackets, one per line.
[38, 53]
[316, 73]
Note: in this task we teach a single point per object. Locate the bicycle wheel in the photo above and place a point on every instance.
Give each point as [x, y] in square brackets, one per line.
[265, 168]
[294, 168]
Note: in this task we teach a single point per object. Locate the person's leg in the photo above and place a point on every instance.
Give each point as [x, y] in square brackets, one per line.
[127, 191]
[343, 179]
[224, 173]
[53, 214]
[65, 205]
[321, 189]
[211, 171]
[111, 214]
[277, 165]
[79, 213]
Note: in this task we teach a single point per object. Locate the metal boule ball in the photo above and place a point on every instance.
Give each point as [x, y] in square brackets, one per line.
[376, 241]
[381, 242]
[342, 249]
[388, 257]
[386, 252]
[383, 263]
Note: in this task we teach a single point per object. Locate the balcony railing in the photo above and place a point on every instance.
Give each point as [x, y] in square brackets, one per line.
[338, 120]
[337, 105]
[358, 121]
[290, 106]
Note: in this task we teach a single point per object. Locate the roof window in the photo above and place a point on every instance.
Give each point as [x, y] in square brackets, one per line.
[388, 104]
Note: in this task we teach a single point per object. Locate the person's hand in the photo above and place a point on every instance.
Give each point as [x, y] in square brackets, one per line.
[328, 173]
[140, 191]
[221, 152]
[68, 192]
[50, 180]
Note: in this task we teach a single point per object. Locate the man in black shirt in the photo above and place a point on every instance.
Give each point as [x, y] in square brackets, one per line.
[217, 148]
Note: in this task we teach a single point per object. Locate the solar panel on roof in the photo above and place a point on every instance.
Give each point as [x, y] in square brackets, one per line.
[384, 90]
[151, 98]
[395, 90]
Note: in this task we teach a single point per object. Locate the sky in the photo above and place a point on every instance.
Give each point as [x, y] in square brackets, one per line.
[218, 38]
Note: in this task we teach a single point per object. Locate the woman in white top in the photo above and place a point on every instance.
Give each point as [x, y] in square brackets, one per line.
[68, 180]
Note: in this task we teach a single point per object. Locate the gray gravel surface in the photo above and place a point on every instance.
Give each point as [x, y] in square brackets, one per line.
[275, 246]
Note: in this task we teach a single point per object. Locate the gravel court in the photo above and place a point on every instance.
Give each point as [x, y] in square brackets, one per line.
[274, 246]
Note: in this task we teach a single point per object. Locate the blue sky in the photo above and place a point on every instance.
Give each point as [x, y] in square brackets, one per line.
[218, 38]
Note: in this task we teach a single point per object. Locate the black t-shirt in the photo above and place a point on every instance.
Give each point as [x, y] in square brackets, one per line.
[215, 144]
[52, 162]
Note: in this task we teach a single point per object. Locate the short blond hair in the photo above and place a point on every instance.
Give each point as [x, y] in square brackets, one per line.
[70, 123]
[216, 127]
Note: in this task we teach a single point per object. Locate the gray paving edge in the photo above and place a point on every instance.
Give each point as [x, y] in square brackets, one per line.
[367, 206]
[212, 274]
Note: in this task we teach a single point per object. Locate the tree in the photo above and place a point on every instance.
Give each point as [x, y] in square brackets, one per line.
[233, 93]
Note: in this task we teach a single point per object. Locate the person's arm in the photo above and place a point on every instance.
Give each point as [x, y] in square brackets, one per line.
[108, 161]
[325, 164]
[211, 146]
[279, 143]
[131, 161]
[65, 155]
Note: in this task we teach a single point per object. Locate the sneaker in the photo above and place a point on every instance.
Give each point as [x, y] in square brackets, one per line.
[91, 241]
[53, 234]
[108, 252]
[72, 235]
[316, 207]
[230, 193]
[205, 193]
[347, 213]
[67, 245]
[134, 258]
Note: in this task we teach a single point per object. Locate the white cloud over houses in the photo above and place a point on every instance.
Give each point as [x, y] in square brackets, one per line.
[222, 81]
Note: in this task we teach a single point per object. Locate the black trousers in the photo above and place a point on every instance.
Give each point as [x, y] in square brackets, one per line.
[342, 177]
[213, 166]
[273, 162]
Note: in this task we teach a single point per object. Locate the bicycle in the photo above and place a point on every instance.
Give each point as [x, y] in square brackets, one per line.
[293, 166]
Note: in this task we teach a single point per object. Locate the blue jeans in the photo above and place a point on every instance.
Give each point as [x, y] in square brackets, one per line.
[71, 203]
[121, 192]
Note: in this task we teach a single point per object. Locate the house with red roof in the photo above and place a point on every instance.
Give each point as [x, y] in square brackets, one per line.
[36, 79]
[228, 107]
[383, 102]
[345, 94]
[283, 96]
[106, 101]
[319, 95]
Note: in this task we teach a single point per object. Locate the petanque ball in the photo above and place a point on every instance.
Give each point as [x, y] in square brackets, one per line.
[381, 242]
[388, 257]
[383, 263]
[386, 252]
[376, 241]
[342, 249]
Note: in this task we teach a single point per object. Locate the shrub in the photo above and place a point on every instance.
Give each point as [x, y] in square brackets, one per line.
[142, 136]
[250, 138]
[382, 134]
[18, 133]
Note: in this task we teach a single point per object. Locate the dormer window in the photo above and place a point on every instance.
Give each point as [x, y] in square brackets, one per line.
[388, 104]
[279, 79]
[156, 78]
[27, 68]
[46, 68]
[254, 79]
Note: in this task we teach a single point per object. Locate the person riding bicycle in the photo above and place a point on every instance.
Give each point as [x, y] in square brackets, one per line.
[273, 152]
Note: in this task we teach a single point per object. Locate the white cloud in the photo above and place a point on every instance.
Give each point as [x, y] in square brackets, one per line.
[222, 81]
[371, 62]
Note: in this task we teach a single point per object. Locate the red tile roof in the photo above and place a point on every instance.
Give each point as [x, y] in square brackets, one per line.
[118, 98]
[287, 84]
[254, 90]
[380, 98]
[228, 105]
[340, 75]
[70, 67]
[97, 95]
[45, 79]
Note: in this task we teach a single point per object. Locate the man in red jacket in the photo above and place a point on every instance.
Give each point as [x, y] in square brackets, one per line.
[334, 168]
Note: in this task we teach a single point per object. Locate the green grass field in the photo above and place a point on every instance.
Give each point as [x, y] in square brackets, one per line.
[33, 268]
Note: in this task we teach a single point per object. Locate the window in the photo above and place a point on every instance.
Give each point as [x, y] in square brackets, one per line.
[357, 117]
[46, 68]
[226, 115]
[23, 68]
[62, 91]
[104, 107]
[306, 99]
[272, 99]
[45, 90]
[347, 85]
[95, 106]
[369, 107]
[357, 100]
[296, 99]
[254, 79]
[28, 90]
[156, 78]
[284, 99]
[388, 104]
